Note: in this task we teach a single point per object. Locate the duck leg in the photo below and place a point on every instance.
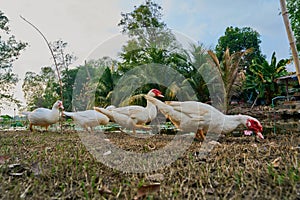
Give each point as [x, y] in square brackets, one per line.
[139, 126]
[87, 129]
[144, 127]
[30, 127]
[200, 135]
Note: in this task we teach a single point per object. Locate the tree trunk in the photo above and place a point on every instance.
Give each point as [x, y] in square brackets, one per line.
[290, 37]
[226, 103]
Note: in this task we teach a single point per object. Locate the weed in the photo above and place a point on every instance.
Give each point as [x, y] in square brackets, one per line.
[58, 166]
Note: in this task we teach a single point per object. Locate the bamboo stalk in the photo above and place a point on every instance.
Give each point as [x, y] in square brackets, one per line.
[290, 37]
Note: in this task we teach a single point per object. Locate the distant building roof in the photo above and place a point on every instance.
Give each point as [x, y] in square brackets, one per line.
[288, 78]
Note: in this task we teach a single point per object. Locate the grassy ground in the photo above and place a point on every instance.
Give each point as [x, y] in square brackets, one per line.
[51, 165]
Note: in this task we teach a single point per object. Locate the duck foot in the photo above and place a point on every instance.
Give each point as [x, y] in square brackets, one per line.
[199, 136]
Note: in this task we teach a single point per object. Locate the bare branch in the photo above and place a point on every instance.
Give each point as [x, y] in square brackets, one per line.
[52, 53]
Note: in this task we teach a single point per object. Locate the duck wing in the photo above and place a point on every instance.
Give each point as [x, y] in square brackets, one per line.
[129, 110]
[192, 109]
[43, 116]
[119, 118]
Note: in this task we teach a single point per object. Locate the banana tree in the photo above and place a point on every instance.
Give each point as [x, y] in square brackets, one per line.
[261, 76]
[228, 68]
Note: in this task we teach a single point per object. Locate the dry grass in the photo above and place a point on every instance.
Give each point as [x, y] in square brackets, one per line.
[58, 166]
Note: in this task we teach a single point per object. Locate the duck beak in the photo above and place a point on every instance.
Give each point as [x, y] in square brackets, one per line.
[259, 134]
[61, 106]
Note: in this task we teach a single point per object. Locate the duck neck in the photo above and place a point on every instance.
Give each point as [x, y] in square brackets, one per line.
[232, 122]
[55, 109]
[150, 105]
[151, 110]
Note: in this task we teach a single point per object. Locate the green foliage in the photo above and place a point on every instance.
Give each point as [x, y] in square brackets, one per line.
[197, 58]
[82, 88]
[68, 79]
[147, 15]
[32, 88]
[138, 81]
[105, 85]
[10, 50]
[238, 40]
[152, 42]
[144, 56]
[93, 84]
[5, 120]
[40, 89]
[261, 76]
[150, 39]
[63, 58]
[293, 7]
[151, 47]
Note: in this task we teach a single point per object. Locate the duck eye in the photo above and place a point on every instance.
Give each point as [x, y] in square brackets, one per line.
[249, 123]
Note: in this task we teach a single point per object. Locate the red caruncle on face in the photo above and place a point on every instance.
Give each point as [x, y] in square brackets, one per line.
[254, 125]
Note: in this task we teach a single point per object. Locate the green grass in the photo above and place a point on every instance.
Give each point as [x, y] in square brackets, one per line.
[58, 166]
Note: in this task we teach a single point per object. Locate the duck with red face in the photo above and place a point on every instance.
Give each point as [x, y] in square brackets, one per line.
[200, 118]
[254, 125]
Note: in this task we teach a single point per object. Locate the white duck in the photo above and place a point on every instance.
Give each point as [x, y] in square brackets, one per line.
[199, 117]
[133, 117]
[44, 117]
[88, 118]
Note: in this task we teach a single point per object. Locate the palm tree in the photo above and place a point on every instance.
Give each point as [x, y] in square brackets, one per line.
[104, 87]
[228, 69]
[197, 58]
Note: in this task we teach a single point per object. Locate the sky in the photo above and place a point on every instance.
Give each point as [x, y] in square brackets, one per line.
[85, 25]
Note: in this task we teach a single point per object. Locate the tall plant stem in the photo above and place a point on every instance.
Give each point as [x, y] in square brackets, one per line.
[290, 37]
